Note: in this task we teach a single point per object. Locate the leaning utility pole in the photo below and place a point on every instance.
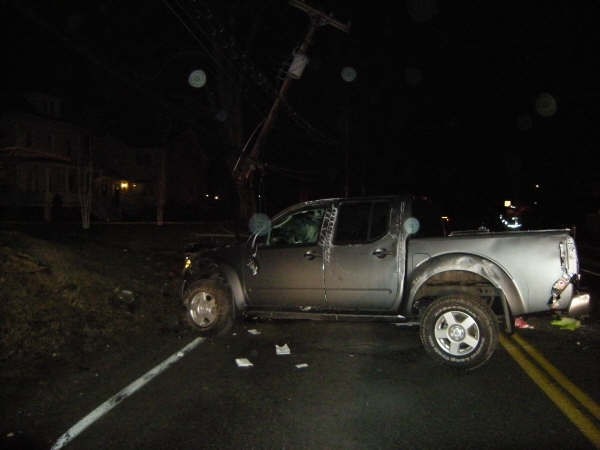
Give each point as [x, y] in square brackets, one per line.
[247, 164]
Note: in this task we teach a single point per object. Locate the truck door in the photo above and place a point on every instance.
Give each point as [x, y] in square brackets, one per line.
[289, 264]
[361, 267]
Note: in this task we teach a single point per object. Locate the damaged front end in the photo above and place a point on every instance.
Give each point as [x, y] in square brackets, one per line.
[198, 263]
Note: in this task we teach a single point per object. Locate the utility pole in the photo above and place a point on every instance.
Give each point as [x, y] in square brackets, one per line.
[247, 164]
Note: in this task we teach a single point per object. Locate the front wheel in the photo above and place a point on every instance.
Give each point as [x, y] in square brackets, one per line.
[208, 307]
[460, 332]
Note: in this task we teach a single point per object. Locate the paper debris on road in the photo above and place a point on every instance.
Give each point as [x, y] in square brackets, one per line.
[254, 331]
[301, 366]
[243, 362]
[282, 349]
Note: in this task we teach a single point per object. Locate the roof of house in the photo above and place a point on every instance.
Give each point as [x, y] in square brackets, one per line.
[30, 154]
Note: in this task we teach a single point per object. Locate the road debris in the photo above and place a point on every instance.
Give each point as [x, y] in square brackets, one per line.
[282, 349]
[521, 323]
[301, 366]
[405, 324]
[566, 323]
[243, 362]
[124, 298]
[254, 332]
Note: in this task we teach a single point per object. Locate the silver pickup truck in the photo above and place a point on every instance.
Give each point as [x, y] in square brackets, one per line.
[386, 258]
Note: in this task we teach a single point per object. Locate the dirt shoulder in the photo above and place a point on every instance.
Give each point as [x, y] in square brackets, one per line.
[80, 305]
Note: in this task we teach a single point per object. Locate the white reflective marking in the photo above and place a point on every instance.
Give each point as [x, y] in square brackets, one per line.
[109, 404]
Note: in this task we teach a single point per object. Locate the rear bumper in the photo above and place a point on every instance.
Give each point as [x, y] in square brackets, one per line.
[580, 304]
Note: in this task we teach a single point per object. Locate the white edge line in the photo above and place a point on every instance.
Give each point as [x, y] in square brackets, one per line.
[109, 404]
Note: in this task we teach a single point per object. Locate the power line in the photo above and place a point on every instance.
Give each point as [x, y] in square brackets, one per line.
[250, 71]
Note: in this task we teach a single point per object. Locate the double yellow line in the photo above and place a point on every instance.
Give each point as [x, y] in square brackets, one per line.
[556, 386]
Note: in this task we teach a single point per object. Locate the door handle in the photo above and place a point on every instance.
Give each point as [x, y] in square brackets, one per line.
[309, 254]
[381, 252]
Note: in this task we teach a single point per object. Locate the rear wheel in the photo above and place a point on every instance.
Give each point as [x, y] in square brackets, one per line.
[208, 306]
[460, 332]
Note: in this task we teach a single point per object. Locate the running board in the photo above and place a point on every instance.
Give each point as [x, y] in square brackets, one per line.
[346, 317]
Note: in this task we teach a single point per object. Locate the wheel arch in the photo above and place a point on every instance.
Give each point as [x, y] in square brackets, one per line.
[209, 268]
[474, 264]
[232, 279]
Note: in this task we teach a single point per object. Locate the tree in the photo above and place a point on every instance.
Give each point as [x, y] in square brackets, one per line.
[162, 187]
[85, 179]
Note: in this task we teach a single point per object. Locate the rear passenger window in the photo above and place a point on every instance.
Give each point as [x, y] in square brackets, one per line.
[361, 222]
[380, 220]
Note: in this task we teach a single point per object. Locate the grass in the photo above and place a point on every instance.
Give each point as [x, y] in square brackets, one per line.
[66, 293]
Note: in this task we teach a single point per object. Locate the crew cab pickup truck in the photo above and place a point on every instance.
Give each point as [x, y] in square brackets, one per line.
[388, 258]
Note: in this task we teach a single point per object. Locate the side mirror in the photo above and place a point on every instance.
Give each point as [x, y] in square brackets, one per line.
[259, 224]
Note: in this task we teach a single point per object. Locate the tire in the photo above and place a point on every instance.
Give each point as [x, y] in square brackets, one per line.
[208, 307]
[459, 332]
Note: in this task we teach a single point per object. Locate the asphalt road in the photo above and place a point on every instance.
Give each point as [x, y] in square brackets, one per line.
[367, 385]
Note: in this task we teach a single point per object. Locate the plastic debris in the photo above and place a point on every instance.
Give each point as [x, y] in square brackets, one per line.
[566, 323]
[521, 323]
[282, 349]
[243, 362]
[254, 332]
[301, 366]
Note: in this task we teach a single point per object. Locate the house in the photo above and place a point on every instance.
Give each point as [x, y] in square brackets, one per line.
[43, 159]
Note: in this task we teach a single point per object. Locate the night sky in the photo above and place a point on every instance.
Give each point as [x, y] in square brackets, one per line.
[465, 101]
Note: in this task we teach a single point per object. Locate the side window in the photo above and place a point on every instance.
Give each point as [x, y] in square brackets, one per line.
[299, 228]
[361, 222]
[352, 223]
[380, 220]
